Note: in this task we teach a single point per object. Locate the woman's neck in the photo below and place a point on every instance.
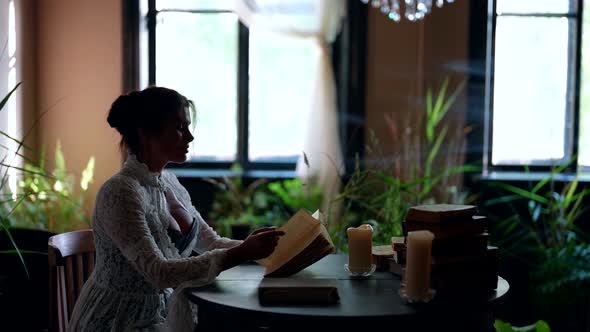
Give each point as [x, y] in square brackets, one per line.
[155, 165]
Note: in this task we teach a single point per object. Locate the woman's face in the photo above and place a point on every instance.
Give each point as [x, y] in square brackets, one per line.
[172, 143]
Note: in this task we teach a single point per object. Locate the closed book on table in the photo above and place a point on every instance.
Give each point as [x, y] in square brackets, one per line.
[471, 226]
[381, 254]
[306, 241]
[440, 213]
[474, 272]
[452, 246]
[471, 273]
[281, 291]
[395, 267]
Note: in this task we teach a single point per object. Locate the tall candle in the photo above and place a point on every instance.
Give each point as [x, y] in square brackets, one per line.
[418, 258]
[360, 247]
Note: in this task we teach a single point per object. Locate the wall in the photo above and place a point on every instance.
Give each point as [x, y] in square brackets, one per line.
[404, 60]
[79, 62]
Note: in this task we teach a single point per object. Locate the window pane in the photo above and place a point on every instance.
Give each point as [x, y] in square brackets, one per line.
[281, 74]
[194, 5]
[530, 84]
[535, 6]
[197, 54]
[584, 140]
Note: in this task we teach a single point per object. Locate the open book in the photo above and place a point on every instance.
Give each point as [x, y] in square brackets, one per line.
[306, 241]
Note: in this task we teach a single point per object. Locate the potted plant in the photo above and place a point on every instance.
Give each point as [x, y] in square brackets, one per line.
[541, 234]
[52, 201]
[42, 204]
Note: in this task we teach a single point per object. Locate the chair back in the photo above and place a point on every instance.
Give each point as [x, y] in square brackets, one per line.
[71, 261]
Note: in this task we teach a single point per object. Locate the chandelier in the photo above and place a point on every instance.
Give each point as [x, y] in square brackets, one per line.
[414, 9]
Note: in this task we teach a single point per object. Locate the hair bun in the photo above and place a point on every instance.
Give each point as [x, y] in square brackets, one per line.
[122, 111]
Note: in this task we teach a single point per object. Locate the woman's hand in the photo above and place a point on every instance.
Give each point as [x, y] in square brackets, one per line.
[259, 244]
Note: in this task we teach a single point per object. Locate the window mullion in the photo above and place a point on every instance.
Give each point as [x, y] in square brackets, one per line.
[489, 87]
[151, 22]
[243, 95]
[575, 93]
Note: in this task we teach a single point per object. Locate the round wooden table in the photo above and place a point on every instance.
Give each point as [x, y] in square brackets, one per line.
[231, 303]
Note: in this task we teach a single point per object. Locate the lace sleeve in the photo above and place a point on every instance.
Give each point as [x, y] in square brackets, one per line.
[121, 216]
[209, 239]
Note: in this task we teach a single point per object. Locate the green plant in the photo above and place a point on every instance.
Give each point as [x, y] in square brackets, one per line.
[539, 326]
[428, 145]
[51, 202]
[7, 203]
[295, 194]
[16, 206]
[381, 194]
[542, 232]
[236, 203]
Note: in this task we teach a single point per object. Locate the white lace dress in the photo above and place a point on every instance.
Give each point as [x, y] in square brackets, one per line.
[137, 265]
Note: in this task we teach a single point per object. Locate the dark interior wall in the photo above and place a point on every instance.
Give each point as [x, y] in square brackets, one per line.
[405, 59]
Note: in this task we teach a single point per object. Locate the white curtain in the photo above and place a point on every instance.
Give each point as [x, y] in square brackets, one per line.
[320, 20]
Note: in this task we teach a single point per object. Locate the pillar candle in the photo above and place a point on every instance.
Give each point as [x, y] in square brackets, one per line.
[360, 247]
[418, 259]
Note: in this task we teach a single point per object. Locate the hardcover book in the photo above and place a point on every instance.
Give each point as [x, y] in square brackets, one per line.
[441, 213]
[473, 225]
[306, 241]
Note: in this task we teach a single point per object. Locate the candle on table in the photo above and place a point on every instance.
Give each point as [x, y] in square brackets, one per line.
[418, 258]
[360, 247]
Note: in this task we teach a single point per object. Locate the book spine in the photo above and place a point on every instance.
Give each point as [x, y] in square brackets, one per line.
[476, 225]
[443, 215]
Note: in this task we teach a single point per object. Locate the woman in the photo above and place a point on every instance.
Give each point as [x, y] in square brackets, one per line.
[138, 213]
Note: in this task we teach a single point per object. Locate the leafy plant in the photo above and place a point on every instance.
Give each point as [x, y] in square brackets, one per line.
[539, 326]
[295, 194]
[261, 203]
[427, 142]
[236, 203]
[7, 205]
[381, 194]
[51, 202]
[542, 233]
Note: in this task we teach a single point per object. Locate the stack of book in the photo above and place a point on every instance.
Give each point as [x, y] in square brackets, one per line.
[462, 260]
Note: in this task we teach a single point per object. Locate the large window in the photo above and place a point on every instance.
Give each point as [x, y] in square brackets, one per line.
[538, 84]
[251, 88]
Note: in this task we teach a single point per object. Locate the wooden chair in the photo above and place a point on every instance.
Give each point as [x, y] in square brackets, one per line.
[71, 261]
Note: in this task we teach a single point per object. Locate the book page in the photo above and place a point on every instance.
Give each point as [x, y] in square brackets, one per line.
[300, 231]
[320, 216]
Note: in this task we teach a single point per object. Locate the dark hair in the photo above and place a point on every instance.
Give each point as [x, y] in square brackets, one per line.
[147, 109]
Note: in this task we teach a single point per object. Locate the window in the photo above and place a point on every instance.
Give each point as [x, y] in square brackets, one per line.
[251, 88]
[538, 96]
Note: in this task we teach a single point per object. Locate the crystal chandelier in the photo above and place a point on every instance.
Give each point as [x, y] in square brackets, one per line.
[414, 9]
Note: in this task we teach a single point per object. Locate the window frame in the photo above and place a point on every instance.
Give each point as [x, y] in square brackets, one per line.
[349, 63]
[572, 95]
[281, 168]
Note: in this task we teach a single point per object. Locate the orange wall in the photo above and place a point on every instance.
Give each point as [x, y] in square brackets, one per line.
[79, 61]
[401, 67]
